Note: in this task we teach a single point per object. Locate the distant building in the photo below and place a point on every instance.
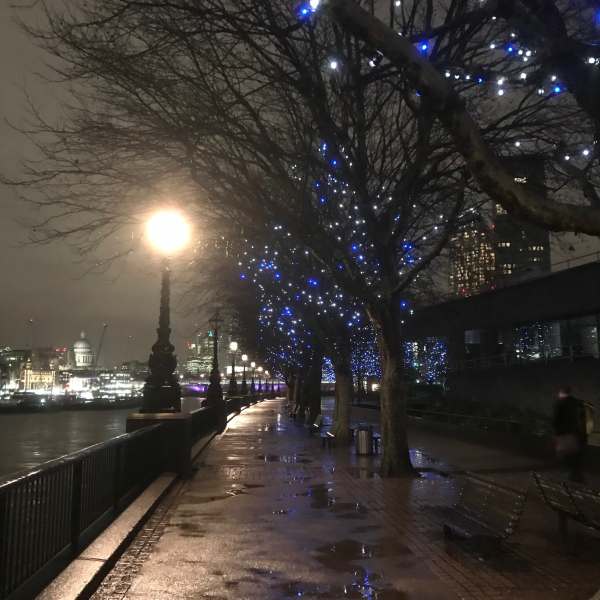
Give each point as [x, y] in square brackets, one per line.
[38, 378]
[12, 365]
[488, 252]
[199, 357]
[136, 368]
[83, 355]
[472, 258]
[522, 249]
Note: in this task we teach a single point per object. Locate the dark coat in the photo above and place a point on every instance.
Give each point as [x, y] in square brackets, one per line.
[569, 417]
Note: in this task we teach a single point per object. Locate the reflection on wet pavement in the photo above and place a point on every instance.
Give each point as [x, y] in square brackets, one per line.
[292, 520]
[284, 459]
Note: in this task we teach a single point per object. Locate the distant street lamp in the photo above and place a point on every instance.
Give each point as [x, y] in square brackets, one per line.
[169, 233]
[233, 346]
[252, 386]
[244, 390]
[214, 393]
[260, 370]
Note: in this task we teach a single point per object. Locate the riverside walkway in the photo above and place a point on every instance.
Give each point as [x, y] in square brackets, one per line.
[269, 514]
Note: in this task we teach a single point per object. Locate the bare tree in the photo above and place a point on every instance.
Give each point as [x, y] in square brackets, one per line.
[239, 109]
[557, 41]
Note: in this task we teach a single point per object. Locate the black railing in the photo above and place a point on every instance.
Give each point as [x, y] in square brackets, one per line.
[48, 514]
[485, 423]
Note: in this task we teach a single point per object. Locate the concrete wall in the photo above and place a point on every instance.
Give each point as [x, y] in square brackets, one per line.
[532, 385]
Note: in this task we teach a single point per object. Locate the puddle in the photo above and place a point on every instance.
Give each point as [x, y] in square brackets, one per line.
[262, 572]
[340, 555]
[352, 507]
[362, 588]
[321, 496]
[190, 529]
[432, 474]
[366, 528]
[196, 499]
[359, 473]
[290, 459]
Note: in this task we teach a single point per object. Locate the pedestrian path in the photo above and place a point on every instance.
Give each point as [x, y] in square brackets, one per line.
[269, 514]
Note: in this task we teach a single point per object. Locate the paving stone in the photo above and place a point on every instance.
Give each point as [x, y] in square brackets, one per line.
[269, 515]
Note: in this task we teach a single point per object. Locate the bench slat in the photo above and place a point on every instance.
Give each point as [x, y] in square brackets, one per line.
[485, 508]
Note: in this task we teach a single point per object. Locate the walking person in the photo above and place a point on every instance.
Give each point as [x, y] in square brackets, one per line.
[570, 433]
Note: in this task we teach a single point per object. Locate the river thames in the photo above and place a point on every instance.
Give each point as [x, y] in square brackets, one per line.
[28, 439]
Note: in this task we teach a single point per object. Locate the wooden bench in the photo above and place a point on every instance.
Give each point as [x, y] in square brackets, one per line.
[485, 510]
[328, 440]
[570, 501]
[376, 443]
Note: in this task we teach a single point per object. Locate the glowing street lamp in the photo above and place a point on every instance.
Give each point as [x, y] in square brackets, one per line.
[260, 370]
[168, 232]
[233, 347]
[244, 390]
[252, 386]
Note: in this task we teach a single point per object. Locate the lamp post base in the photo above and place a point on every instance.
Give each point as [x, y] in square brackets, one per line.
[161, 399]
[176, 437]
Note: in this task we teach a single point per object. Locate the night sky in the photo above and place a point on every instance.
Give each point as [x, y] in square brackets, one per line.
[48, 282]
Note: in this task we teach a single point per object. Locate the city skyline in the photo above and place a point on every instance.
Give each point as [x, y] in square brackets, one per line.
[49, 282]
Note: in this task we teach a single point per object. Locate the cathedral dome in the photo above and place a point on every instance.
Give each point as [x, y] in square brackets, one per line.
[82, 343]
[84, 355]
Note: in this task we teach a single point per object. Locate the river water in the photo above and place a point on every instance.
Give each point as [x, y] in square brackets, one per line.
[26, 440]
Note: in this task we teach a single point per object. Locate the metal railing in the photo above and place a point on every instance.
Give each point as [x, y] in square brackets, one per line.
[49, 513]
[485, 423]
[569, 353]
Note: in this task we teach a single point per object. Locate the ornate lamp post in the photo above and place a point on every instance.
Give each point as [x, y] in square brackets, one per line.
[168, 232]
[233, 346]
[214, 393]
[244, 389]
[260, 370]
[252, 386]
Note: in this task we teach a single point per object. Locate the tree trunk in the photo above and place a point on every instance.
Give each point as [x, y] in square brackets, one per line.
[312, 387]
[396, 458]
[344, 389]
[298, 397]
[290, 384]
[343, 404]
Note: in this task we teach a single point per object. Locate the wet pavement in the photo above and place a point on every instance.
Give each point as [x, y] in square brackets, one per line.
[269, 514]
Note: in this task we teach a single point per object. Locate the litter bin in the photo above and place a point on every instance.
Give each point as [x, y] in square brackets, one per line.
[364, 440]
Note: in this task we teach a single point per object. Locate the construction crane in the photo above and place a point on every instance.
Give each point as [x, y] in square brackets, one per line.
[99, 350]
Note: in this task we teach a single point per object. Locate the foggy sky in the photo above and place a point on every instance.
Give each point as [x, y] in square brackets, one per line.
[46, 282]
